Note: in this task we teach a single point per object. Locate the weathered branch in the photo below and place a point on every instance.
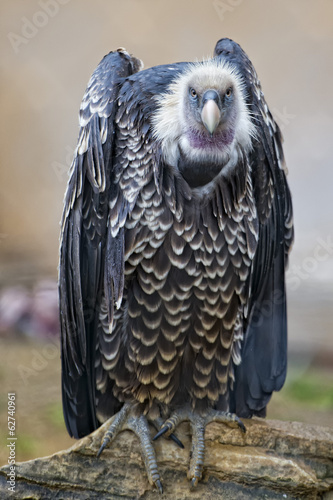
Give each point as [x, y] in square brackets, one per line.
[273, 460]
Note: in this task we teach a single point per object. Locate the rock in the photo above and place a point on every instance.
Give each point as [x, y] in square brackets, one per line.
[273, 460]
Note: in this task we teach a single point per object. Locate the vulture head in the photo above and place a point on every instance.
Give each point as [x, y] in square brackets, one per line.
[203, 120]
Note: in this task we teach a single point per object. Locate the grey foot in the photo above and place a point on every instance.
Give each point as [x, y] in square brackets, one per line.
[198, 424]
[124, 420]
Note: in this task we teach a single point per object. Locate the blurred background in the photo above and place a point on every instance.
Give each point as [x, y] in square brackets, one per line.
[49, 49]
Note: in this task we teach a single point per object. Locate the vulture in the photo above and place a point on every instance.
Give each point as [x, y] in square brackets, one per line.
[175, 235]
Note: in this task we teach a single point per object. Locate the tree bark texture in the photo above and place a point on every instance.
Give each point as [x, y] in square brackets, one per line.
[273, 460]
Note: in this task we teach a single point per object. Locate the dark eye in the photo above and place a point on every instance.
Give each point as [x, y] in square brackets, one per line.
[193, 92]
[228, 92]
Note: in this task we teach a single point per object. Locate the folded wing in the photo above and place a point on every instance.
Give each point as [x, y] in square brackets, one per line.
[84, 239]
[264, 351]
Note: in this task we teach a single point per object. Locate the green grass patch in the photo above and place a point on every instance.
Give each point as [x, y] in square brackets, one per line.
[3, 403]
[313, 389]
[25, 446]
[54, 415]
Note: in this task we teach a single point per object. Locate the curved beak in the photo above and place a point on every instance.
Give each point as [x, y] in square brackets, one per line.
[210, 115]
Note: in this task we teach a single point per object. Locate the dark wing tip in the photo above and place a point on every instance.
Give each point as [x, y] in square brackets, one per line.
[228, 48]
[224, 46]
[137, 64]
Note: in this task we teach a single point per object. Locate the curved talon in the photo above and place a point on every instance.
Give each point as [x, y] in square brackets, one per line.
[160, 433]
[159, 486]
[104, 444]
[107, 438]
[174, 439]
[241, 426]
[194, 482]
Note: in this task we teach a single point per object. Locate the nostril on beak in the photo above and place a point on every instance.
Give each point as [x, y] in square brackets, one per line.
[210, 95]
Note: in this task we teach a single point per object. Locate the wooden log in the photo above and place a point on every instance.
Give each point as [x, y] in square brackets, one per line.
[273, 460]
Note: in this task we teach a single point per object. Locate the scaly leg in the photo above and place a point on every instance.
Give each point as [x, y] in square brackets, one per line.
[198, 422]
[124, 420]
[139, 425]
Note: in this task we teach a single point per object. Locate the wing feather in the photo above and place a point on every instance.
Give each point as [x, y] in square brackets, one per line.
[264, 351]
[84, 240]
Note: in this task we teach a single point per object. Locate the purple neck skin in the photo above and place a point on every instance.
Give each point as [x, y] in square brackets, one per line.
[203, 140]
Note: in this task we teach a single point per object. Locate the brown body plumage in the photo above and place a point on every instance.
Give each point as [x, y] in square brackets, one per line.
[186, 269]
